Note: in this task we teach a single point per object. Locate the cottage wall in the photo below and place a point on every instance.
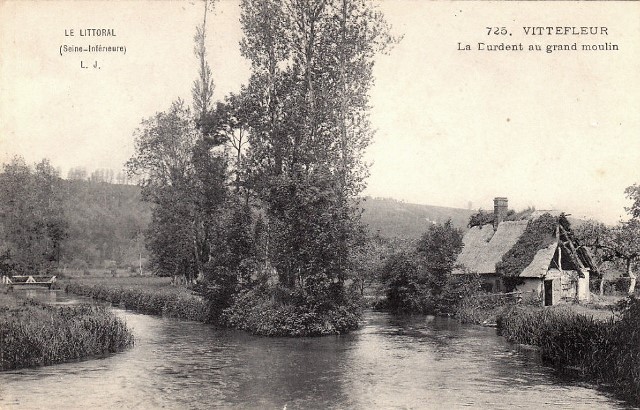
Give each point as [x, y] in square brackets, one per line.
[569, 284]
[583, 287]
[531, 288]
[563, 285]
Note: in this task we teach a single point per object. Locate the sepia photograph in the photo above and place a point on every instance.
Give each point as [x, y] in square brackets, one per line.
[319, 204]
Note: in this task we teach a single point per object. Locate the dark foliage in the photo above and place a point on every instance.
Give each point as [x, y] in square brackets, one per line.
[279, 311]
[481, 218]
[633, 193]
[538, 235]
[407, 289]
[420, 280]
[438, 248]
[32, 217]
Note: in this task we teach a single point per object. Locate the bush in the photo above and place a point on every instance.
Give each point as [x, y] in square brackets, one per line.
[485, 308]
[619, 286]
[407, 289]
[263, 312]
[420, 280]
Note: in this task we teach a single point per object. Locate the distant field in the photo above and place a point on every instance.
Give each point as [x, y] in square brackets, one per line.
[102, 273]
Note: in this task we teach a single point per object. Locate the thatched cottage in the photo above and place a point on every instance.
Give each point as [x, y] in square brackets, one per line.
[534, 253]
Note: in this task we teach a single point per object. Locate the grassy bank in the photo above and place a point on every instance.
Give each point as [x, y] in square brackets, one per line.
[253, 312]
[605, 351]
[34, 334]
[485, 308]
[145, 295]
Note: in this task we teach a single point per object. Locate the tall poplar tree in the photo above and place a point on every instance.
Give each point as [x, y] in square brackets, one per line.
[184, 174]
[311, 72]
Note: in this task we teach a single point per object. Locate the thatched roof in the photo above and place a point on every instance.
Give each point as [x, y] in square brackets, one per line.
[540, 264]
[484, 247]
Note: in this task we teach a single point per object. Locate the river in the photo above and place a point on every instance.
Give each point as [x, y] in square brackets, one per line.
[391, 362]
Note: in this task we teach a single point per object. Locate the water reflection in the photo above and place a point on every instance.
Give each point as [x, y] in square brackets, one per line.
[390, 362]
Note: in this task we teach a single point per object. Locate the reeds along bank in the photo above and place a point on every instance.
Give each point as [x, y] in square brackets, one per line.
[32, 334]
[162, 302]
[607, 352]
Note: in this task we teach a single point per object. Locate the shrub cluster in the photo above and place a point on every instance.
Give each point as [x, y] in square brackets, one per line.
[413, 288]
[176, 303]
[32, 334]
[263, 313]
[419, 280]
[607, 352]
[484, 308]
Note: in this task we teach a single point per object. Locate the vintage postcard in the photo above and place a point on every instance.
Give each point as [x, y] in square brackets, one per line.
[531, 102]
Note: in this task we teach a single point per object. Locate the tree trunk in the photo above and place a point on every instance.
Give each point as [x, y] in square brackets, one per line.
[602, 284]
[632, 276]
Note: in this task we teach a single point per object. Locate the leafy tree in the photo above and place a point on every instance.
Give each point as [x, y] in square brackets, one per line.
[419, 280]
[633, 193]
[34, 226]
[621, 242]
[368, 262]
[203, 87]
[407, 289]
[176, 175]
[594, 235]
[232, 262]
[184, 170]
[624, 243]
[439, 248]
[239, 116]
[311, 71]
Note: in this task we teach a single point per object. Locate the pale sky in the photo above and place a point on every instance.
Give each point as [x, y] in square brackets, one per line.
[556, 130]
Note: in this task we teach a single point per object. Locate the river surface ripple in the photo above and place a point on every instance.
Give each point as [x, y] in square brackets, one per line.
[391, 362]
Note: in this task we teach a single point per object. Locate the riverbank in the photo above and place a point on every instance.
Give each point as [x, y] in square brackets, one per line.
[34, 334]
[153, 296]
[575, 337]
[606, 351]
[252, 312]
[484, 309]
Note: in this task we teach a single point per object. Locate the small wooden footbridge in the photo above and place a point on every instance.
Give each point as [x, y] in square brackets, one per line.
[28, 280]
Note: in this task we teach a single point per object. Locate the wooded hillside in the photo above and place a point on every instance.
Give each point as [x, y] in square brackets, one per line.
[106, 219]
[393, 218]
[106, 224]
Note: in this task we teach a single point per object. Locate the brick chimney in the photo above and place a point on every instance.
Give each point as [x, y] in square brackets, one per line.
[500, 208]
